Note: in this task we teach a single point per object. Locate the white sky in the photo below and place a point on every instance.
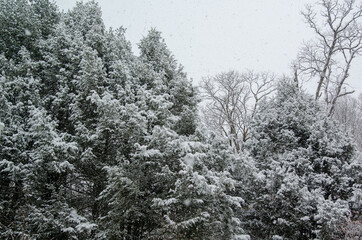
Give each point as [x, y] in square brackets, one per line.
[211, 36]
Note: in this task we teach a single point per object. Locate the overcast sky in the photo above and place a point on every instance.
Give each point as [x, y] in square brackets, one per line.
[211, 36]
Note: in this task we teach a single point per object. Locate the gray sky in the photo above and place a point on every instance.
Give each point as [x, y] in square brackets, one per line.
[211, 36]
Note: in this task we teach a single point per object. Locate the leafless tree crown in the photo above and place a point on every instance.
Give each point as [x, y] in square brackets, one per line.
[231, 100]
[328, 58]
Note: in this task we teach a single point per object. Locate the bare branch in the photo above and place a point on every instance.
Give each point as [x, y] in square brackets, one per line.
[232, 99]
[339, 40]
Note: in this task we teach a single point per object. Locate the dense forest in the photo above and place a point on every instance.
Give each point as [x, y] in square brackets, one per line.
[98, 143]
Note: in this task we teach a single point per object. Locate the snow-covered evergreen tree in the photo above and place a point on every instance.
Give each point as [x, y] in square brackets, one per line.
[40, 91]
[18, 95]
[303, 161]
[164, 185]
[168, 190]
[161, 72]
[23, 23]
[48, 183]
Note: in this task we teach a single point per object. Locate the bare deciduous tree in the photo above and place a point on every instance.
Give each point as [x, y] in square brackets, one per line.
[348, 111]
[231, 101]
[328, 58]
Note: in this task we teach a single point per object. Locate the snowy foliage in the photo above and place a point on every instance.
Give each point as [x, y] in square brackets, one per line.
[97, 143]
[304, 161]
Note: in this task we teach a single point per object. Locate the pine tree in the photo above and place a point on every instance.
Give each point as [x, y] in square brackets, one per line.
[46, 186]
[161, 72]
[166, 190]
[74, 75]
[43, 91]
[149, 193]
[302, 158]
[19, 94]
[24, 23]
